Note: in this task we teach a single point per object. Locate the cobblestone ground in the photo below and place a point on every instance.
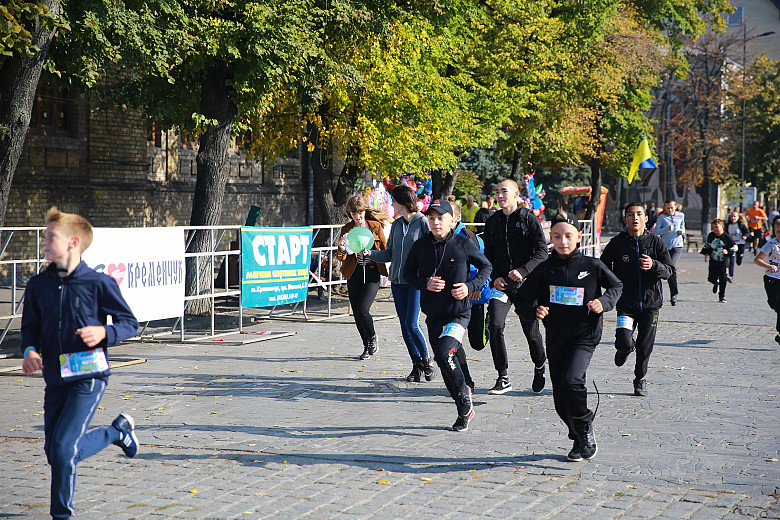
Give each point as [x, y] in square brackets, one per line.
[298, 427]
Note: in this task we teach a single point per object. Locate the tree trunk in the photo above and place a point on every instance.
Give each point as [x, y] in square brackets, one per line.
[19, 78]
[442, 183]
[706, 189]
[595, 187]
[517, 166]
[213, 171]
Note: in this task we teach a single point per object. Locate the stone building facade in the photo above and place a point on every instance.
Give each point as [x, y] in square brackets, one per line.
[113, 169]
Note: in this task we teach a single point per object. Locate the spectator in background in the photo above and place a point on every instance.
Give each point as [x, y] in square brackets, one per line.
[484, 212]
[469, 211]
[771, 218]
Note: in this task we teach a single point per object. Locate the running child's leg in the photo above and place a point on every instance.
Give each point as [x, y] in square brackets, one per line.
[647, 326]
[69, 444]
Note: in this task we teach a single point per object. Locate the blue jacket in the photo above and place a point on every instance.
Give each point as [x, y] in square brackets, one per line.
[485, 291]
[55, 307]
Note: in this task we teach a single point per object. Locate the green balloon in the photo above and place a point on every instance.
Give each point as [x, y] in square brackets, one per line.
[359, 238]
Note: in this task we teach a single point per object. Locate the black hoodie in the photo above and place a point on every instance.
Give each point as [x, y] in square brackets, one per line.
[642, 289]
[449, 259]
[514, 242]
[566, 285]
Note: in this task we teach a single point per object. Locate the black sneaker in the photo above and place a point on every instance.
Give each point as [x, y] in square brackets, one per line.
[366, 353]
[722, 300]
[714, 288]
[620, 357]
[575, 455]
[415, 374]
[462, 422]
[587, 442]
[501, 387]
[127, 441]
[674, 300]
[777, 339]
[465, 411]
[429, 370]
[373, 345]
[640, 387]
[539, 381]
[471, 385]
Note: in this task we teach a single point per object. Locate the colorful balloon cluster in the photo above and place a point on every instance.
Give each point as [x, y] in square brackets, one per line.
[421, 187]
[375, 195]
[533, 194]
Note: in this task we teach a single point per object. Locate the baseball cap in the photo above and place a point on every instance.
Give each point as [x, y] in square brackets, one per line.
[440, 205]
[569, 218]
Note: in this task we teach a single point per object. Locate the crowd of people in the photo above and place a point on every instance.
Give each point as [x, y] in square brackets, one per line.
[438, 267]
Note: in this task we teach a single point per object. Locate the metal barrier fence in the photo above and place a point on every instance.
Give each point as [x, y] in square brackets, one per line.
[222, 250]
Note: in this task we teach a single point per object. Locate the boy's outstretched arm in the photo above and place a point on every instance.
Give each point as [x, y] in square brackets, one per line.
[123, 326]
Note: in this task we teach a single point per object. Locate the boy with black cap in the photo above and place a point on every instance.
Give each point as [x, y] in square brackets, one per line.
[564, 291]
[438, 265]
[640, 259]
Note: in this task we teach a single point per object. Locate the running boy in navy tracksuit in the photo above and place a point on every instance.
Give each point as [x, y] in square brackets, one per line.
[64, 333]
[640, 259]
[564, 291]
[438, 265]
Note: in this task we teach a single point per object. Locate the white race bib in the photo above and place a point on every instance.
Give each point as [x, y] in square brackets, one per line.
[625, 322]
[567, 295]
[454, 330]
[77, 364]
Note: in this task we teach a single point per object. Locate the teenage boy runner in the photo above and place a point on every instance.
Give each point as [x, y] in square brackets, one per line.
[64, 333]
[438, 265]
[514, 245]
[565, 292]
[640, 260]
[671, 227]
[719, 247]
[769, 258]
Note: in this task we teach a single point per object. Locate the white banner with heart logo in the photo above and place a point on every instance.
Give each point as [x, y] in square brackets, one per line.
[146, 263]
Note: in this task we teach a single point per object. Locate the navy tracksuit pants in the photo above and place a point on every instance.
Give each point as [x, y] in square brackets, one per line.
[68, 411]
[445, 353]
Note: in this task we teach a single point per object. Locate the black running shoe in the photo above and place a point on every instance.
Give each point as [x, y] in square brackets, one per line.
[415, 374]
[722, 300]
[714, 288]
[640, 387]
[587, 442]
[777, 339]
[539, 381]
[501, 387]
[429, 369]
[575, 455]
[373, 345]
[462, 422]
[366, 353]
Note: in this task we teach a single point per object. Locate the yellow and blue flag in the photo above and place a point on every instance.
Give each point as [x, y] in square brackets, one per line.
[642, 159]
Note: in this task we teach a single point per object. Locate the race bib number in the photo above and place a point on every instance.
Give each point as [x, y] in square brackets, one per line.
[625, 322]
[567, 295]
[453, 330]
[77, 364]
[498, 295]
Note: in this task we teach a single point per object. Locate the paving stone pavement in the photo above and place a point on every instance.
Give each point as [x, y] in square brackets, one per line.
[298, 427]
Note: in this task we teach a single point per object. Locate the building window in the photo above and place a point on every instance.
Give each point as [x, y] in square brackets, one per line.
[52, 111]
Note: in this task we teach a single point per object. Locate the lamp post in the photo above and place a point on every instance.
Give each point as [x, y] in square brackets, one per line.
[744, 72]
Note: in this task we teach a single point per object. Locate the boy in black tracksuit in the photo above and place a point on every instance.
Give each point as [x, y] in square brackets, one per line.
[640, 260]
[438, 265]
[719, 248]
[565, 292]
[514, 245]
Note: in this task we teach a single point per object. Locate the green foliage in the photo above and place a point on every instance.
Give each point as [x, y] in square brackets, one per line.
[17, 21]
[467, 183]
[488, 166]
[762, 114]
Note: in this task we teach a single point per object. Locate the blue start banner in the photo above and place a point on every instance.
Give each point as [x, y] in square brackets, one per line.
[274, 265]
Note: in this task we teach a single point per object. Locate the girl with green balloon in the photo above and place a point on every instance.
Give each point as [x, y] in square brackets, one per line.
[364, 232]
